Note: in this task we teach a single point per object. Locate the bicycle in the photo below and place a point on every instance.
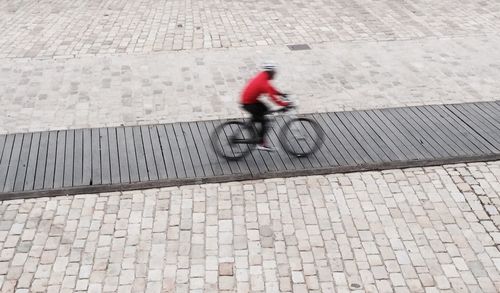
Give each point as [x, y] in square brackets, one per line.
[299, 136]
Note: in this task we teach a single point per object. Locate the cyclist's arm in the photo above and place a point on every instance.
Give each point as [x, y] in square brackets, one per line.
[273, 94]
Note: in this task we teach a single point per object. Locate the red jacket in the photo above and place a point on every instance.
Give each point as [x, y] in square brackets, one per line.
[257, 86]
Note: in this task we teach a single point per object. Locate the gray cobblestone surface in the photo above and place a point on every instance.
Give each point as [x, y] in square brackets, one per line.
[417, 230]
[194, 85]
[69, 28]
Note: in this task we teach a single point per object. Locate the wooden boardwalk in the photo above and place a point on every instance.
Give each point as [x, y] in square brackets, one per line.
[123, 158]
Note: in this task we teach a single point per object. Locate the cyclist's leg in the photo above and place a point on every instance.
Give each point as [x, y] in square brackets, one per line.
[258, 111]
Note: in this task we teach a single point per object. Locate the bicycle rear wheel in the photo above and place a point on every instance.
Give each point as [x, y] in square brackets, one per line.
[301, 136]
[233, 140]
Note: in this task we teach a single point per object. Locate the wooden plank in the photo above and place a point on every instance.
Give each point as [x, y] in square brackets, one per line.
[347, 139]
[466, 131]
[157, 153]
[11, 165]
[41, 163]
[141, 157]
[201, 147]
[383, 134]
[29, 181]
[492, 113]
[166, 152]
[366, 137]
[59, 166]
[122, 155]
[192, 150]
[148, 151]
[252, 162]
[328, 159]
[451, 128]
[433, 140]
[480, 119]
[5, 161]
[176, 152]
[113, 156]
[410, 133]
[219, 166]
[78, 158]
[87, 158]
[2, 144]
[105, 156]
[17, 182]
[405, 144]
[69, 158]
[51, 161]
[96, 157]
[133, 166]
[333, 145]
[437, 129]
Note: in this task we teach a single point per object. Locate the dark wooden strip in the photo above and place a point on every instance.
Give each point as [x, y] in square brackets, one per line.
[191, 149]
[96, 157]
[328, 159]
[87, 157]
[492, 113]
[333, 145]
[105, 159]
[367, 135]
[253, 161]
[465, 129]
[78, 158]
[186, 158]
[41, 161]
[166, 152]
[406, 144]
[114, 157]
[219, 165]
[22, 165]
[410, 133]
[176, 152]
[347, 138]
[29, 181]
[383, 134]
[141, 157]
[482, 121]
[452, 128]
[13, 163]
[157, 153]
[50, 163]
[4, 163]
[133, 166]
[123, 155]
[60, 153]
[435, 128]
[69, 159]
[2, 144]
[201, 147]
[433, 140]
[148, 151]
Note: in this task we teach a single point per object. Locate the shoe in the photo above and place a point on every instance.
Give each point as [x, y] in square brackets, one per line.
[263, 147]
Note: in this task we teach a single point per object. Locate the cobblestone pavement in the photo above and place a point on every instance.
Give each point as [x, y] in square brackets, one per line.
[417, 230]
[195, 85]
[46, 28]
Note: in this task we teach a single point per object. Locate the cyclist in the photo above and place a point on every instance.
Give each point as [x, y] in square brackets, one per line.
[250, 100]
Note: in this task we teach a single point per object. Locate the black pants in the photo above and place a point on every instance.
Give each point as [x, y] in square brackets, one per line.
[259, 112]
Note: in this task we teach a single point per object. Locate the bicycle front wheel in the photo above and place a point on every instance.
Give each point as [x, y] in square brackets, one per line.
[301, 136]
[233, 140]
